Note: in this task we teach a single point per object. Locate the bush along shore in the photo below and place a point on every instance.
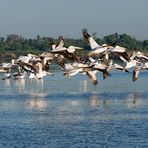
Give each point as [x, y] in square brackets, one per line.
[14, 45]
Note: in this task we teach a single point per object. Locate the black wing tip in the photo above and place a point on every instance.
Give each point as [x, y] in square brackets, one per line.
[95, 82]
[135, 79]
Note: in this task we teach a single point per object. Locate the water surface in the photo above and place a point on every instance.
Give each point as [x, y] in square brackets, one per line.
[71, 112]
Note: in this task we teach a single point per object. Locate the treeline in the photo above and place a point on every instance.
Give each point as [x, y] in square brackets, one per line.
[19, 45]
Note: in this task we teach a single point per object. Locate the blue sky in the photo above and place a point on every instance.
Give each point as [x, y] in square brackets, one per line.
[68, 17]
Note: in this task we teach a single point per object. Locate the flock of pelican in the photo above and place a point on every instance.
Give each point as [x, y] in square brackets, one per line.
[101, 58]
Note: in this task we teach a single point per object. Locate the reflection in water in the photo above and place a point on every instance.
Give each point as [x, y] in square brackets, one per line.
[84, 86]
[72, 103]
[37, 94]
[38, 90]
[35, 88]
[133, 100]
[35, 113]
[105, 104]
[20, 85]
[40, 83]
[36, 85]
[36, 104]
[93, 100]
[7, 82]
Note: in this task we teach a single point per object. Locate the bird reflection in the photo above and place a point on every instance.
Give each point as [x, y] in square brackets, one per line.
[36, 104]
[84, 86]
[133, 100]
[7, 82]
[37, 83]
[93, 100]
[37, 94]
[40, 83]
[72, 102]
[106, 103]
[20, 85]
[36, 99]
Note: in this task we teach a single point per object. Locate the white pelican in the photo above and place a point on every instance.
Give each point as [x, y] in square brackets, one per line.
[75, 68]
[145, 66]
[137, 69]
[129, 64]
[34, 67]
[59, 45]
[6, 67]
[92, 75]
[88, 38]
[141, 55]
[96, 49]
[121, 51]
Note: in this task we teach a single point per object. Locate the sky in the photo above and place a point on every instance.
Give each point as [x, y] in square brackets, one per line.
[53, 18]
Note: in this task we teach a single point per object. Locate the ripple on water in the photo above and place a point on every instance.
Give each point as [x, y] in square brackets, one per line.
[65, 114]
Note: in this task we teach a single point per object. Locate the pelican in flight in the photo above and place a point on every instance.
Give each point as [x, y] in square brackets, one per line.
[6, 67]
[64, 54]
[95, 47]
[104, 49]
[59, 45]
[75, 68]
[137, 69]
[129, 64]
[36, 68]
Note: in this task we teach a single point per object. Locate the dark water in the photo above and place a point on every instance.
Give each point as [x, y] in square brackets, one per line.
[70, 112]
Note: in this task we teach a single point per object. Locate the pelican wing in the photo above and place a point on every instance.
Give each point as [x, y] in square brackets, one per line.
[92, 76]
[135, 74]
[92, 43]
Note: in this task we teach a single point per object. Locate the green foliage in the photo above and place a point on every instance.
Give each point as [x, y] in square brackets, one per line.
[145, 45]
[111, 38]
[124, 40]
[19, 45]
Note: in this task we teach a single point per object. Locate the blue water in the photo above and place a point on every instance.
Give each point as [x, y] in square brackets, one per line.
[59, 112]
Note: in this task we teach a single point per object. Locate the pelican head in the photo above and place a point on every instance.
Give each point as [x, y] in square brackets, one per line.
[60, 37]
[84, 30]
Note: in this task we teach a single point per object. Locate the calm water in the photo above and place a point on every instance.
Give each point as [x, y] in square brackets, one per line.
[70, 112]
